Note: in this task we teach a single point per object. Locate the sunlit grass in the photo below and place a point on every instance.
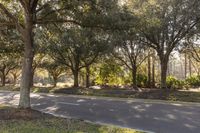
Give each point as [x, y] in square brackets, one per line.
[56, 125]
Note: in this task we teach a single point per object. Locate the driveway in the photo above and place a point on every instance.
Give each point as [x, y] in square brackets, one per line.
[147, 115]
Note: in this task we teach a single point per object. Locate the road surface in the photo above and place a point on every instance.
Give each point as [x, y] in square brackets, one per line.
[151, 116]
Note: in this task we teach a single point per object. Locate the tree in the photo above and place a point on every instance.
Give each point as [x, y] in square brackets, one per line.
[130, 52]
[164, 24]
[24, 15]
[78, 48]
[15, 74]
[9, 53]
[25, 28]
[55, 69]
[194, 50]
[7, 63]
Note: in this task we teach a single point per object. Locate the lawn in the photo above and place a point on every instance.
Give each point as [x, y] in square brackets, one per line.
[155, 94]
[13, 120]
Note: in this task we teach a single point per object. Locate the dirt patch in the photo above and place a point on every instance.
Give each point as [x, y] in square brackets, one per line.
[10, 113]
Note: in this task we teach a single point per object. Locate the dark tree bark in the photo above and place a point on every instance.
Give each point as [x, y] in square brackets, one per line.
[149, 70]
[87, 76]
[32, 79]
[163, 64]
[190, 66]
[153, 71]
[185, 65]
[3, 79]
[76, 76]
[134, 76]
[55, 80]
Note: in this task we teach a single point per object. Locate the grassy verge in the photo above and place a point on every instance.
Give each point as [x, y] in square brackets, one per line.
[40, 123]
[157, 94]
[57, 126]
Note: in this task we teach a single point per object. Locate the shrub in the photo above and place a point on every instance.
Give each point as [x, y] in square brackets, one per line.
[41, 90]
[141, 80]
[193, 81]
[110, 73]
[174, 83]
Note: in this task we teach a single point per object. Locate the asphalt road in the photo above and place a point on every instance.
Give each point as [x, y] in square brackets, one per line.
[152, 116]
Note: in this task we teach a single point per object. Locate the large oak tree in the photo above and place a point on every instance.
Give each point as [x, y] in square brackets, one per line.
[165, 24]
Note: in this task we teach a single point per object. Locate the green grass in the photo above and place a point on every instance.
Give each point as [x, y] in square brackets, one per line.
[56, 125]
[9, 88]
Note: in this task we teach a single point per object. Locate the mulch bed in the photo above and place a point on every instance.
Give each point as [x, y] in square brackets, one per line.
[10, 113]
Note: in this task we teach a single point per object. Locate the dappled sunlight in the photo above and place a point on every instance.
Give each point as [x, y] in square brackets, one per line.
[161, 119]
[138, 116]
[112, 110]
[91, 110]
[81, 100]
[176, 104]
[34, 95]
[51, 109]
[170, 116]
[190, 126]
[139, 108]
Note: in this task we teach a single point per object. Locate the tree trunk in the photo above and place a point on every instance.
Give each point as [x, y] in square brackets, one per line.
[27, 62]
[190, 66]
[87, 76]
[185, 65]
[32, 79]
[55, 79]
[163, 63]
[14, 79]
[153, 72]
[149, 71]
[76, 80]
[134, 77]
[3, 79]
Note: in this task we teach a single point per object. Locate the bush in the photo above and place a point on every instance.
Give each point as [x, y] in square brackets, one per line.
[141, 80]
[193, 81]
[41, 90]
[110, 73]
[174, 83]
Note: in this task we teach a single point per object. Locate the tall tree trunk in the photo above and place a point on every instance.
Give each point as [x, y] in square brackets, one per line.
[76, 76]
[134, 76]
[32, 79]
[14, 79]
[87, 76]
[3, 79]
[27, 62]
[153, 71]
[149, 70]
[55, 80]
[164, 64]
[185, 65]
[190, 65]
